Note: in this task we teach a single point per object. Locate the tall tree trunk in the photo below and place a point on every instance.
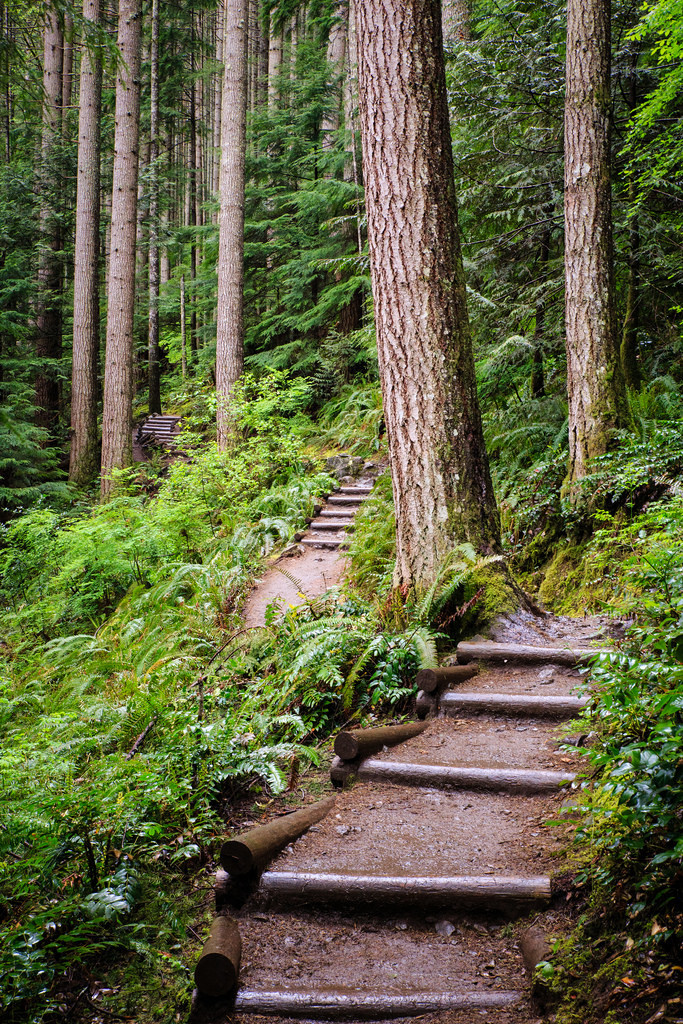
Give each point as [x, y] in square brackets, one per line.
[220, 21]
[629, 337]
[456, 21]
[86, 330]
[48, 313]
[597, 399]
[441, 480]
[118, 374]
[67, 70]
[537, 376]
[336, 53]
[153, 376]
[274, 62]
[229, 313]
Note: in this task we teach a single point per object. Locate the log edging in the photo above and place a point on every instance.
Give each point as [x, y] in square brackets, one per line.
[343, 1005]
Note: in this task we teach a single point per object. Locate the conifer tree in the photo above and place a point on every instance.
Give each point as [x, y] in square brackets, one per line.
[442, 485]
[118, 375]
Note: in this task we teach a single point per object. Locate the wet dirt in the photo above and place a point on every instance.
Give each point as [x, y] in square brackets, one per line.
[535, 679]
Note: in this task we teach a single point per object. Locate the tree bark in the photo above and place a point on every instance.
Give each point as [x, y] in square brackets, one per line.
[153, 368]
[362, 742]
[629, 338]
[255, 848]
[456, 21]
[86, 330]
[118, 374]
[537, 375]
[597, 398]
[332, 1004]
[229, 312]
[274, 63]
[442, 485]
[48, 313]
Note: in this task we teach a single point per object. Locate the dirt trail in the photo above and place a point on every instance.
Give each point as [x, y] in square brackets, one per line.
[343, 946]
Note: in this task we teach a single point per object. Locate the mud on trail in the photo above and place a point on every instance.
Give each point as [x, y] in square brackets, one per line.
[320, 939]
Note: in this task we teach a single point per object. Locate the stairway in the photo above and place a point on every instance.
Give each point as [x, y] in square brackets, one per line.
[331, 528]
[400, 903]
[156, 431]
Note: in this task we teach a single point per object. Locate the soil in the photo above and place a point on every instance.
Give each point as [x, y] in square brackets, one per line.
[293, 579]
[385, 829]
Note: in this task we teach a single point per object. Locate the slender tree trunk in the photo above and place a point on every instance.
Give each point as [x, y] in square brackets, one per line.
[86, 338]
[597, 400]
[456, 21]
[183, 329]
[48, 313]
[67, 70]
[264, 36]
[118, 374]
[537, 376]
[153, 376]
[229, 314]
[442, 485]
[218, 90]
[274, 63]
[336, 53]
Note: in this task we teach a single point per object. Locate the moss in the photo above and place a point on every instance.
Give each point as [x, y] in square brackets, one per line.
[497, 598]
[562, 582]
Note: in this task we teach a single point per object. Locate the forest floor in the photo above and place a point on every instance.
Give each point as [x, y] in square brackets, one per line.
[395, 949]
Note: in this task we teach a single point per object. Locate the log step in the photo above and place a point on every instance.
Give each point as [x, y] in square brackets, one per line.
[345, 499]
[488, 892]
[323, 542]
[339, 513]
[512, 704]
[354, 490]
[489, 651]
[329, 524]
[511, 780]
[342, 1004]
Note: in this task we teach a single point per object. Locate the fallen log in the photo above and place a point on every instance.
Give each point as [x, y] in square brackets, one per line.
[255, 848]
[512, 780]
[488, 891]
[218, 967]
[512, 704]
[362, 742]
[490, 651]
[344, 1005]
[431, 679]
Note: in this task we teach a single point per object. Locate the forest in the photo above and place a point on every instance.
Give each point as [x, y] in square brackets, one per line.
[436, 244]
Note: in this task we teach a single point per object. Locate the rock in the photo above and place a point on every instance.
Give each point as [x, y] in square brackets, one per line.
[444, 928]
[401, 926]
[342, 830]
[546, 675]
[356, 465]
[338, 465]
[293, 551]
[370, 469]
[347, 481]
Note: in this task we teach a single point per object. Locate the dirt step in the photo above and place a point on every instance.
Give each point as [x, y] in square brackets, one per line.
[457, 892]
[345, 1005]
[546, 706]
[488, 650]
[512, 780]
[329, 524]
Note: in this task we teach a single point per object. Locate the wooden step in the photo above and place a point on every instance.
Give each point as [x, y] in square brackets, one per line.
[337, 513]
[342, 1004]
[354, 490]
[324, 542]
[487, 650]
[345, 499]
[330, 524]
[512, 704]
[486, 892]
[509, 780]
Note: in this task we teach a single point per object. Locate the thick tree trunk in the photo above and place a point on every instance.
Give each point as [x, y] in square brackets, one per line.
[336, 53]
[118, 374]
[537, 375]
[229, 312]
[629, 337]
[153, 375]
[597, 400]
[441, 480]
[456, 21]
[86, 329]
[48, 313]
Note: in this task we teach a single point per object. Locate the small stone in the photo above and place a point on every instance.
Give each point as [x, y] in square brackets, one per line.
[444, 928]
[289, 941]
[401, 926]
[342, 830]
